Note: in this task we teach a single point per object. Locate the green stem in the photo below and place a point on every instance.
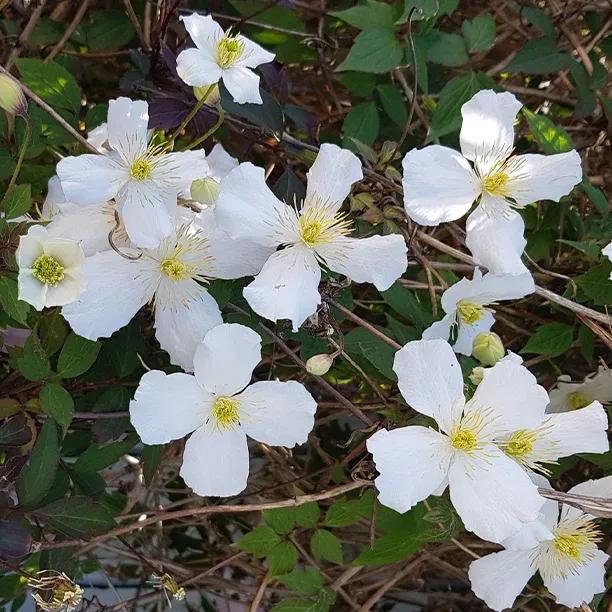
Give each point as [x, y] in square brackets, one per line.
[190, 115]
[210, 132]
[22, 150]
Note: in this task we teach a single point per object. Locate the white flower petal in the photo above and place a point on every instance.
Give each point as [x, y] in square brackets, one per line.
[67, 291]
[90, 179]
[252, 55]
[331, 177]
[216, 463]
[176, 171]
[597, 386]
[439, 185]
[224, 361]
[197, 68]
[168, 406]
[31, 290]
[599, 487]
[466, 333]
[580, 588]
[487, 130]
[116, 290]
[127, 125]
[499, 578]
[180, 329]
[413, 463]
[31, 245]
[243, 84]
[440, 329]
[379, 260]
[496, 243]
[493, 495]
[54, 200]
[246, 207]
[535, 532]
[287, 286]
[220, 162]
[277, 413]
[430, 380]
[544, 177]
[204, 31]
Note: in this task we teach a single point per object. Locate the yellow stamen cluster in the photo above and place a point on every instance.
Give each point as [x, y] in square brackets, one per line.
[318, 226]
[577, 400]
[175, 269]
[574, 544]
[170, 587]
[55, 592]
[496, 184]
[463, 439]
[48, 270]
[229, 50]
[469, 312]
[141, 169]
[520, 443]
[225, 412]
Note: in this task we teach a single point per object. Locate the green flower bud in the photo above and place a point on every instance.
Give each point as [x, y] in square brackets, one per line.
[477, 375]
[205, 191]
[488, 348]
[319, 364]
[212, 99]
[12, 99]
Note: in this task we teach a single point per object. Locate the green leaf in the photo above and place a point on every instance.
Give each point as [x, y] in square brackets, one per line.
[282, 558]
[551, 137]
[393, 103]
[268, 115]
[539, 19]
[14, 307]
[296, 605]
[151, 456]
[362, 124]
[405, 303]
[37, 477]
[51, 332]
[374, 50]
[77, 356]
[108, 31]
[596, 283]
[308, 581]
[18, 202]
[33, 364]
[259, 542]
[596, 196]
[307, 515]
[76, 517]
[52, 82]
[343, 512]
[479, 34]
[282, 520]
[57, 403]
[372, 14]
[97, 457]
[447, 49]
[539, 56]
[361, 343]
[551, 339]
[325, 545]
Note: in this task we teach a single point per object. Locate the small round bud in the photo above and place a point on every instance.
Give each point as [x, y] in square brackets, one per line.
[477, 375]
[488, 348]
[205, 191]
[12, 99]
[319, 364]
[212, 99]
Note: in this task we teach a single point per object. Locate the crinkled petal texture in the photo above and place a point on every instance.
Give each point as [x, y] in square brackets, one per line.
[430, 380]
[243, 84]
[277, 413]
[216, 463]
[246, 207]
[439, 185]
[544, 177]
[412, 462]
[180, 329]
[487, 130]
[198, 68]
[127, 126]
[331, 177]
[379, 260]
[91, 179]
[493, 495]
[225, 360]
[510, 396]
[466, 333]
[168, 406]
[496, 242]
[116, 290]
[499, 578]
[581, 587]
[287, 286]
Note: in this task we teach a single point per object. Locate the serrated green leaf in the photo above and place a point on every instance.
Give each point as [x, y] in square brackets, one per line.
[76, 517]
[325, 545]
[77, 356]
[551, 339]
[282, 520]
[372, 14]
[259, 542]
[303, 582]
[375, 50]
[57, 403]
[282, 558]
[343, 512]
[447, 49]
[539, 56]
[14, 307]
[361, 123]
[307, 515]
[552, 138]
[479, 34]
[34, 364]
[18, 202]
[596, 283]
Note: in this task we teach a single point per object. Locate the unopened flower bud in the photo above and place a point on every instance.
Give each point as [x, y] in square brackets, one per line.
[488, 348]
[205, 191]
[55, 592]
[12, 99]
[319, 364]
[477, 375]
[213, 97]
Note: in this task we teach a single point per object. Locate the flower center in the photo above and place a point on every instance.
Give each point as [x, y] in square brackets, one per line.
[140, 169]
[225, 412]
[463, 439]
[316, 226]
[469, 312]
[496, 184]
[229, 49]
[520, 443]
[48, 270]
[577, 400]
[175, 269]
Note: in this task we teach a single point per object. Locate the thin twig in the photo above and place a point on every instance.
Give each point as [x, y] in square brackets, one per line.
[72, 26]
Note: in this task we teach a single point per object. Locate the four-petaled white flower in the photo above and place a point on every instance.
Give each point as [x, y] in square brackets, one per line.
[315, 234]
[221, 408]
[143, 180]
[220, 55]
[567, 395]
[465, 305]
[493, 495]
[50, 269]
[562, 546]
[441, 185]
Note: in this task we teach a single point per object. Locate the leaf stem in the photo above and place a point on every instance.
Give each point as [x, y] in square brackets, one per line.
[22, 150]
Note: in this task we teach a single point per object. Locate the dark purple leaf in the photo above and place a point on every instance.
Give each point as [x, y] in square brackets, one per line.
[9, 470]
[166, 113]
[15, 432]
[15, 538]
[275, 76]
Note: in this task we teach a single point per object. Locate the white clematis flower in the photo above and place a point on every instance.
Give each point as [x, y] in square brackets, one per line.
[570, 564]
[492, 494]
[205, 190]
[50, 269]
[567, 395]
[220, 55]
[315, 235]
[441, 185]
[221, 408]
[144, 181]
[465, 305]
